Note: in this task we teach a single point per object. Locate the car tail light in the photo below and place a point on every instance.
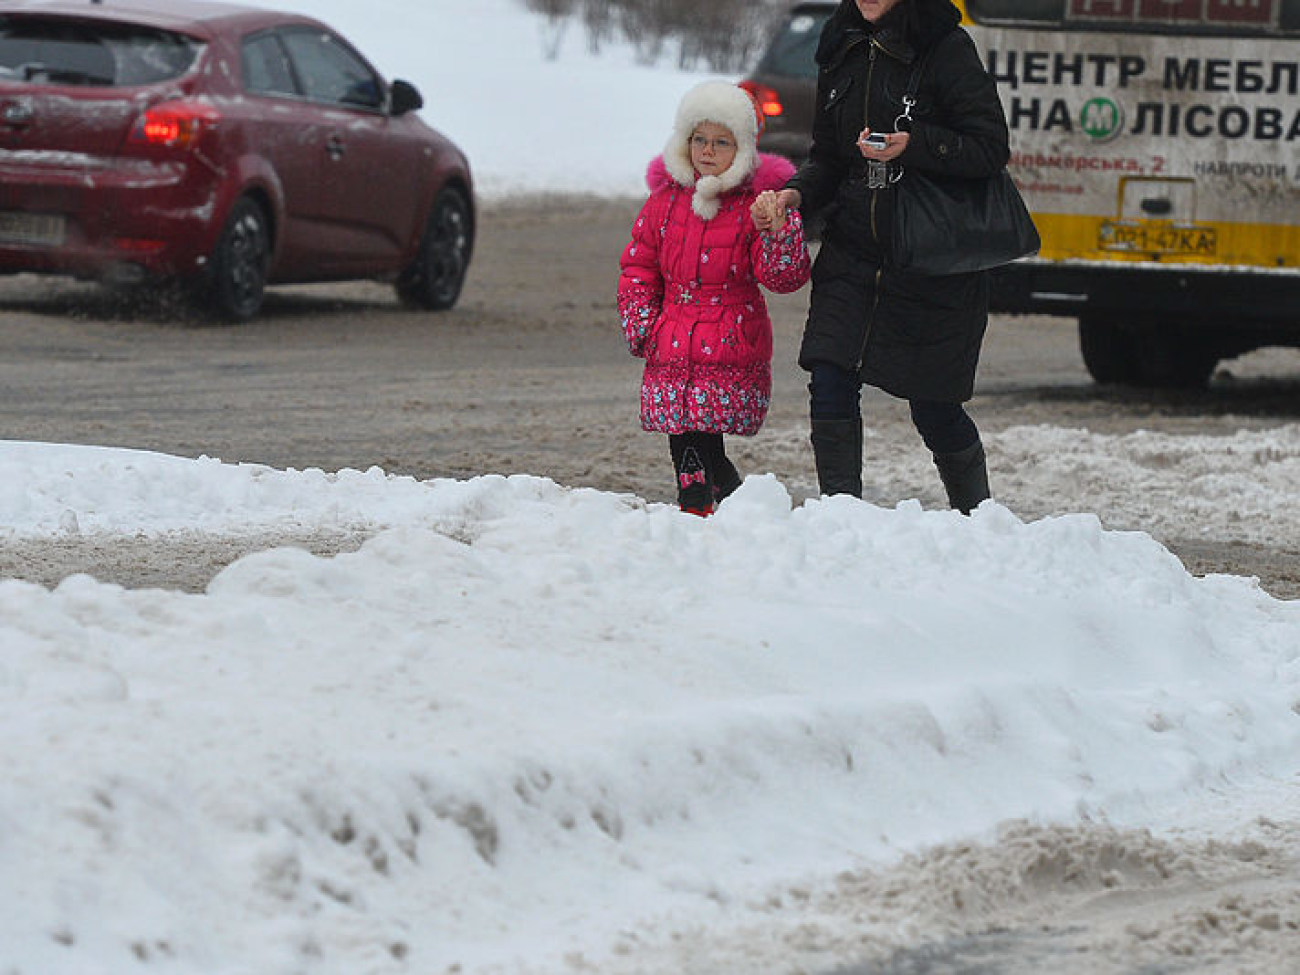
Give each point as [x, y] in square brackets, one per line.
[767, 98]
[138, 245]
[174, 125]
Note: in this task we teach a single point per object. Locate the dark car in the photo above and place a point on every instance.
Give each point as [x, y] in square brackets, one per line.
[220, 146]
[785, 81]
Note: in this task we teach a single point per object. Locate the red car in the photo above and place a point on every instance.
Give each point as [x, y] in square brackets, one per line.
[225, 147]
[784, 82]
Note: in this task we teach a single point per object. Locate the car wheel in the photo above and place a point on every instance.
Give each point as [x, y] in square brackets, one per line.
[435, 278]
[238, 269]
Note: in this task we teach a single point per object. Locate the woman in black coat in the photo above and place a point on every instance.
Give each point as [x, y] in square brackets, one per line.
[913, 336]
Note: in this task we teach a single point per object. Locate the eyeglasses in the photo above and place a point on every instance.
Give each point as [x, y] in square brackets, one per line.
[717, 145]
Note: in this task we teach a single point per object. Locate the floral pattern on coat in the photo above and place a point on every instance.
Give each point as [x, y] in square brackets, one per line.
[689, 300]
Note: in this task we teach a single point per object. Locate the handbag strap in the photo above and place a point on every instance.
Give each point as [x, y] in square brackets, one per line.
[914, 79]
[914, 82]
[909, 96]
[904, 118]
[903, 121]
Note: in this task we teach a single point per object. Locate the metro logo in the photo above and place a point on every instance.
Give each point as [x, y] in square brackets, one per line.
[1101, 119]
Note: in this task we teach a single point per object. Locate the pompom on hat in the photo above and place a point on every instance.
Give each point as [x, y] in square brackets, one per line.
[723, 104]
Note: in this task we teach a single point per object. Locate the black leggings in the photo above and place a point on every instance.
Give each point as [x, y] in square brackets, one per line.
[711, 452]
[835, 393]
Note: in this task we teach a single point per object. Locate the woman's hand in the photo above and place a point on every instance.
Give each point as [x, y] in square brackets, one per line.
[771, 208]
[895, 143]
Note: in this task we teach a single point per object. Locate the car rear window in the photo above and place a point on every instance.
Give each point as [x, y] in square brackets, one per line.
[57, 51]
[792, 50]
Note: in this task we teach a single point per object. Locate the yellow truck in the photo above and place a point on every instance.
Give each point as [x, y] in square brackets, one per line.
[1157, 144]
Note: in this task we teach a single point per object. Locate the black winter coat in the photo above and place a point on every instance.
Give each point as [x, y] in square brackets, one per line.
[913, 336]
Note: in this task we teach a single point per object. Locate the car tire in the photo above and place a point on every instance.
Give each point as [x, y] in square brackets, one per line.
[237, 271]
[434, 279]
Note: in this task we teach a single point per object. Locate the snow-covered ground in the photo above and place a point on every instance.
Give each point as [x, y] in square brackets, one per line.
[526, 723]
[534, 729]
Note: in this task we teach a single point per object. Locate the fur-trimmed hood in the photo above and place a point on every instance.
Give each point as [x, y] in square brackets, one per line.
[768, 173]
[724, 104]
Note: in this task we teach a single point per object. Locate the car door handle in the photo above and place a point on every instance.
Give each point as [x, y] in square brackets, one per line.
[17, 114]
[336, 147]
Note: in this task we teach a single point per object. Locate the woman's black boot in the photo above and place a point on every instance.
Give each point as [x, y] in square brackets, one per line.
[965, 477]
[837, 452]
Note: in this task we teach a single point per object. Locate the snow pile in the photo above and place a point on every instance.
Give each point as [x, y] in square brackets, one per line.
[532, 729]
[1244, 486]
[525, 720]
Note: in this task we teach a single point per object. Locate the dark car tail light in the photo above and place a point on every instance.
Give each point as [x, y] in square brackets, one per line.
[174, 125]
[138, 245]
[767, 98]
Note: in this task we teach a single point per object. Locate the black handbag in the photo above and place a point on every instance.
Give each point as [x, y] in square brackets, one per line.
[955, 225]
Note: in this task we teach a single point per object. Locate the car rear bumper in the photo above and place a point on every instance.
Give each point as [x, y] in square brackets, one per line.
[68, 214]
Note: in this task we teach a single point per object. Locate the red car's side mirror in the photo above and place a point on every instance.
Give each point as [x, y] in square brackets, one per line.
[404, 97]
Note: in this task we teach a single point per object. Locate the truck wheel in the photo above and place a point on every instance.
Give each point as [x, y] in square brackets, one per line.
[1152, 355]
[1109, 350]
[1174, 359]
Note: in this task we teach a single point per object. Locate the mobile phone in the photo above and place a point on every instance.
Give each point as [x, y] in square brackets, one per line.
[876, 140]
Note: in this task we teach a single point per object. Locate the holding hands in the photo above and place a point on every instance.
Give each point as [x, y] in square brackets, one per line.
[767, 213]
[771, 208]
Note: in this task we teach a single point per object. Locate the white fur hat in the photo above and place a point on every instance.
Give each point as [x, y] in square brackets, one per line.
[724, 104]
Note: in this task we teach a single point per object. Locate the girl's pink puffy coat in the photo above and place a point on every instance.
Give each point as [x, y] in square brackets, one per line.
[690, 303]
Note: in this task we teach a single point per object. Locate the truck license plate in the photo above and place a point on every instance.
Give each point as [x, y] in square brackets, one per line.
[1157, 238]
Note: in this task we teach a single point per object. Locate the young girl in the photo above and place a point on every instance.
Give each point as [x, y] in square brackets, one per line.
[689, 292]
